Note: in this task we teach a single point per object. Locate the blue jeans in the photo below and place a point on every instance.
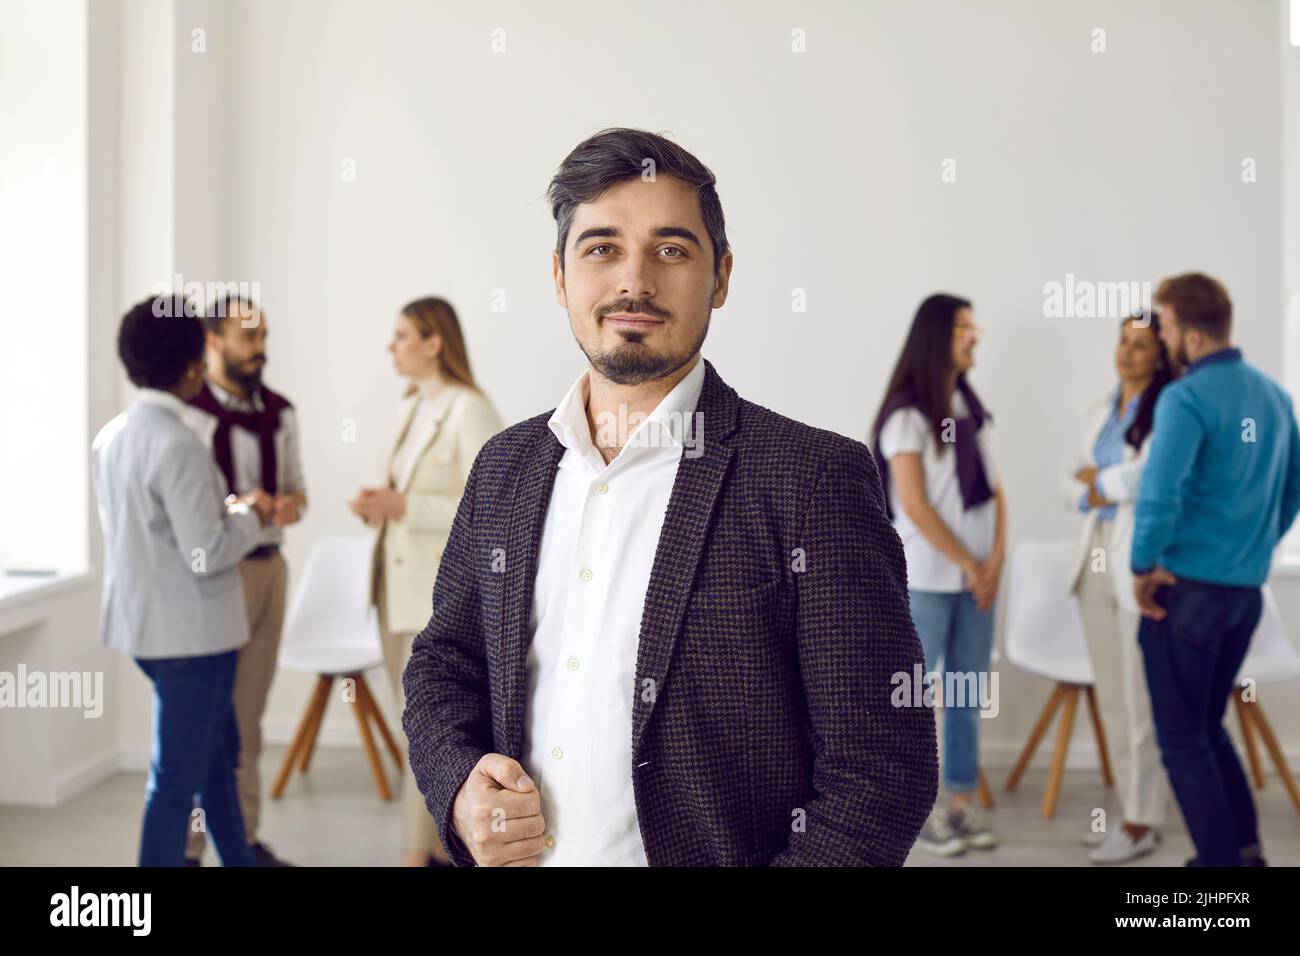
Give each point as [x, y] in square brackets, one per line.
[953, 629]
[195, 751]
[1192, 658]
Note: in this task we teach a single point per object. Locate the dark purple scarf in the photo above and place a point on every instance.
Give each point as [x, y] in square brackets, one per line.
[971, 477]
[263, 424]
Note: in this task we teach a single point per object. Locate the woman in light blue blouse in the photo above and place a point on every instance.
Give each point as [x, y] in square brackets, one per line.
[1103, 486]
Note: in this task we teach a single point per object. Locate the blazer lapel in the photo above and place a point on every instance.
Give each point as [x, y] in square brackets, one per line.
[681, 544]
[529, 500]
[427, 436]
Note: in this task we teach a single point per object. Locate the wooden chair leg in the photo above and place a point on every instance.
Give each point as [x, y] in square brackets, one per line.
[1040, 728]
[372, 754]
[986, 796]
[377, 717]
[1071, 700]
[295, 745]
[1274, 751]
[1248, 735]
[1099, 732]
[318, 717]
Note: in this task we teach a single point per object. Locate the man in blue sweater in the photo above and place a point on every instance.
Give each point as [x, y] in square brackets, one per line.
[1220, 488]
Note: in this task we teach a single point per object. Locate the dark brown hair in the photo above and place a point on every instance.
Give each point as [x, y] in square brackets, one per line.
[618, 154]
[925, 365]
[1199, 302]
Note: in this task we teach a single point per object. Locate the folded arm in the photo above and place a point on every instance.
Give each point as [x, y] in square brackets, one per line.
[193, 497]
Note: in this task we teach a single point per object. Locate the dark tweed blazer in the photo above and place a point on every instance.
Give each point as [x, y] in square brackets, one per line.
[776, 617]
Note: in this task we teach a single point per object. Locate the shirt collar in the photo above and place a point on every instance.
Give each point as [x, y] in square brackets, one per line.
[155, 396]
[663, 428]
[233, 401]
[1123, 410]
[1223, 355]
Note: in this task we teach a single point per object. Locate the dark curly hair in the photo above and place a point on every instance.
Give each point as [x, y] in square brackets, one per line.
[158, 340]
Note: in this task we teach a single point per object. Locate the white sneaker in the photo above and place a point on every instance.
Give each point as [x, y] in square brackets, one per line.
[1120, 847]
[1093, 838]
[939, 837]
[970, 823]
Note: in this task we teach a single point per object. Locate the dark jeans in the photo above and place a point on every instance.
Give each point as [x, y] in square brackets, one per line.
[195, 750]
[1192, 658]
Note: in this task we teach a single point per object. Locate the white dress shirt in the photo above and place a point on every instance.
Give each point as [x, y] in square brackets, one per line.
[597, 549]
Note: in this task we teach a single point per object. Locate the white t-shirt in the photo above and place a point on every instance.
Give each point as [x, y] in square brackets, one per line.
[928, 569]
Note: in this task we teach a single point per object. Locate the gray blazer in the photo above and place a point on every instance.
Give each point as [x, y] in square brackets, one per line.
[171, 546]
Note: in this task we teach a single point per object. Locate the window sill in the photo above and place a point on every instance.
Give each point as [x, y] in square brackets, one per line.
[23, 597]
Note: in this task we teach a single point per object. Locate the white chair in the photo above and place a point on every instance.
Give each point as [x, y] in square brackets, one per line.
[331, 630]
[1044, 635]
[1270, 660]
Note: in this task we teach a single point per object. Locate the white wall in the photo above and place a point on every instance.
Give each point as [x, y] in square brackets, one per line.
[225, 164]
[1123, 165]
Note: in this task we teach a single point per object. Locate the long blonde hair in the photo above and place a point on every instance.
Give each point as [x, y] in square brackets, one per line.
[434, 316]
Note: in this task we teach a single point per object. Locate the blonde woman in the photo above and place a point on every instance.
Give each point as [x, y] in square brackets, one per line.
[443, 422]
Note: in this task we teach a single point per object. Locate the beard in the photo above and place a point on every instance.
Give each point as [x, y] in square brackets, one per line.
[249, 379]
[634, 362]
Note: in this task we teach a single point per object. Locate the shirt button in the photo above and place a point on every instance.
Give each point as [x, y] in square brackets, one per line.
[573, 663]
[557, 753]
[603, 488]
[585, 575]
[549, 842]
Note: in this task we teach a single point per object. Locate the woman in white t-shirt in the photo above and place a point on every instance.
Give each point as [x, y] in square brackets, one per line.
[945, 497]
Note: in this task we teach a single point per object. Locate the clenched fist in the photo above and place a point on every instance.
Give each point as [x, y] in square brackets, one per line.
[498, 814]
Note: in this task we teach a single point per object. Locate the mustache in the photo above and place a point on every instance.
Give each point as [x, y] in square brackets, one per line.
[634, 306]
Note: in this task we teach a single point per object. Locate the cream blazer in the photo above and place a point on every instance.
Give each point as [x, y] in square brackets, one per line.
[1118, 483]
[408, 550]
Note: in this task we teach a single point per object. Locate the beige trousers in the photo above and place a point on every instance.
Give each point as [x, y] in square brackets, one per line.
[1121, 688]
[265, 583]
[419, 833]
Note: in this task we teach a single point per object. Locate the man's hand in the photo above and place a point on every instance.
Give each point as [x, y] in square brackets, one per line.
[498, 814]
[285, 510]
[1144, 589]
[259, 501]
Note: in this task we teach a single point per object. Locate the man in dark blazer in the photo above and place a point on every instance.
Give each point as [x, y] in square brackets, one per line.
[678, 646]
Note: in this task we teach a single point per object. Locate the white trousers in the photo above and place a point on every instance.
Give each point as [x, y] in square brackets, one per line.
[1121, 688]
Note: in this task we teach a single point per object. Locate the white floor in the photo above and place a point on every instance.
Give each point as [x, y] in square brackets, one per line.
[334, 817]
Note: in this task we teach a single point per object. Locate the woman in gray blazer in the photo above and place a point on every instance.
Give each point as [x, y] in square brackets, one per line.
[172, 598]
